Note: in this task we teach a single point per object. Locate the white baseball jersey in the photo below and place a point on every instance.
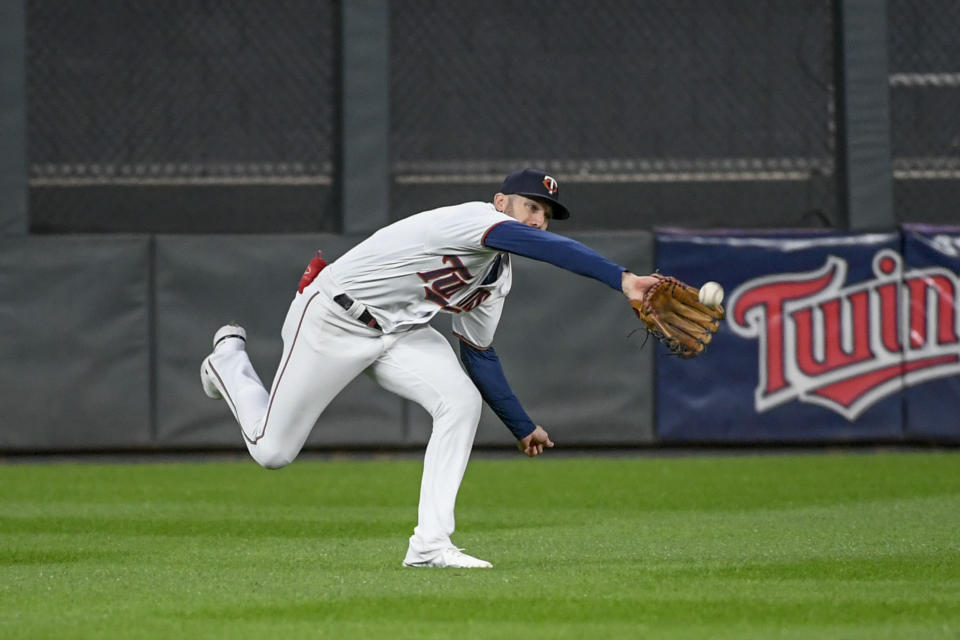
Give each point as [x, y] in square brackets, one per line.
[433, 261]
[404, 275]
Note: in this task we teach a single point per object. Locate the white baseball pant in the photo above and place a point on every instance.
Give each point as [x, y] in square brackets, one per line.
[324, 348]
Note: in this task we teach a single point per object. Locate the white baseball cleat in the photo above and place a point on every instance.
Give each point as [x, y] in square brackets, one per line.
[229, 336]
[452, 558]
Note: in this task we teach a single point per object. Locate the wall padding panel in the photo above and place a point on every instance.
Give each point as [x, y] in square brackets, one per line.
[74, 343]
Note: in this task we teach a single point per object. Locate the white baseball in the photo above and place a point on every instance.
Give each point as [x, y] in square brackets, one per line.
[711, 294]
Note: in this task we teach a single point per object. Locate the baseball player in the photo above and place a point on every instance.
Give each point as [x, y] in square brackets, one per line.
[370, 309]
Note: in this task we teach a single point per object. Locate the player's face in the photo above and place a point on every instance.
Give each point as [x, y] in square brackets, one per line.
[528, 211]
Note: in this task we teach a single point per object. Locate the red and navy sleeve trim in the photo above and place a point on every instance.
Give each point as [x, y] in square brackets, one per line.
[465, 341]
[483, 240]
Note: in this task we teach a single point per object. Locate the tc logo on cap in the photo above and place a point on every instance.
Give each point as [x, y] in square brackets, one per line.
[550, 184]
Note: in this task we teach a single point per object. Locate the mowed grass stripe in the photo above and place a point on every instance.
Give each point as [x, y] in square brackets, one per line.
[755, 546]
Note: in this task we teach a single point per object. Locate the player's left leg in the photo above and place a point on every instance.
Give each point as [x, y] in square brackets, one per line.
[323, 350]
[421, 366]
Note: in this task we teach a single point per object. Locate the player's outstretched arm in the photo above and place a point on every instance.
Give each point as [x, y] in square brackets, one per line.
[566, 253]
[533, 444]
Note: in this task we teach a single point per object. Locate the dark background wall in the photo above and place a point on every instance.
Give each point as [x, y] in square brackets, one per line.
[658, 112]
[101, 339]
[169, 164]
[182, 116]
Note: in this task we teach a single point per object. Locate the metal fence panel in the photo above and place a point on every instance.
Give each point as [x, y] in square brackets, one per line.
[181, 115]
[924, 53]
[681, 112]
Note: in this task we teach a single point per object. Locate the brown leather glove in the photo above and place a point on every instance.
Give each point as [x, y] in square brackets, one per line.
[673, 313]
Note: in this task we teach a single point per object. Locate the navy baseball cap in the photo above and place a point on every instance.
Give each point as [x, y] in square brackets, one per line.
[536, 184]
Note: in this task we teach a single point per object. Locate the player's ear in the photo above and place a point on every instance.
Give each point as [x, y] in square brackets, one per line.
[500, 202]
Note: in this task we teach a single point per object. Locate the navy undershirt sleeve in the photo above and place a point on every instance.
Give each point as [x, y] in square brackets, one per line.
[483, 367]
[514, 237]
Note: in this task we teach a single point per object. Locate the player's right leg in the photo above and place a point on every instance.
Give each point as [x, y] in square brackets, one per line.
[420, 366]
[323, 350]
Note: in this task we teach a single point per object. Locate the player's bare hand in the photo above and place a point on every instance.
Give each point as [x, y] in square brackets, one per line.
[533, 444]
[634, 286]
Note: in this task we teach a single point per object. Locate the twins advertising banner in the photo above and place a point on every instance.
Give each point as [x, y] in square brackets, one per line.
[827, 337]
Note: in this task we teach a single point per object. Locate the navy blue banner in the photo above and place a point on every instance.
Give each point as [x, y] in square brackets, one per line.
[932, 284]
[810, 349]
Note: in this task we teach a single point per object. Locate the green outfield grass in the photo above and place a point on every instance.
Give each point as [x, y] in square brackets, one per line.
[753, 546]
